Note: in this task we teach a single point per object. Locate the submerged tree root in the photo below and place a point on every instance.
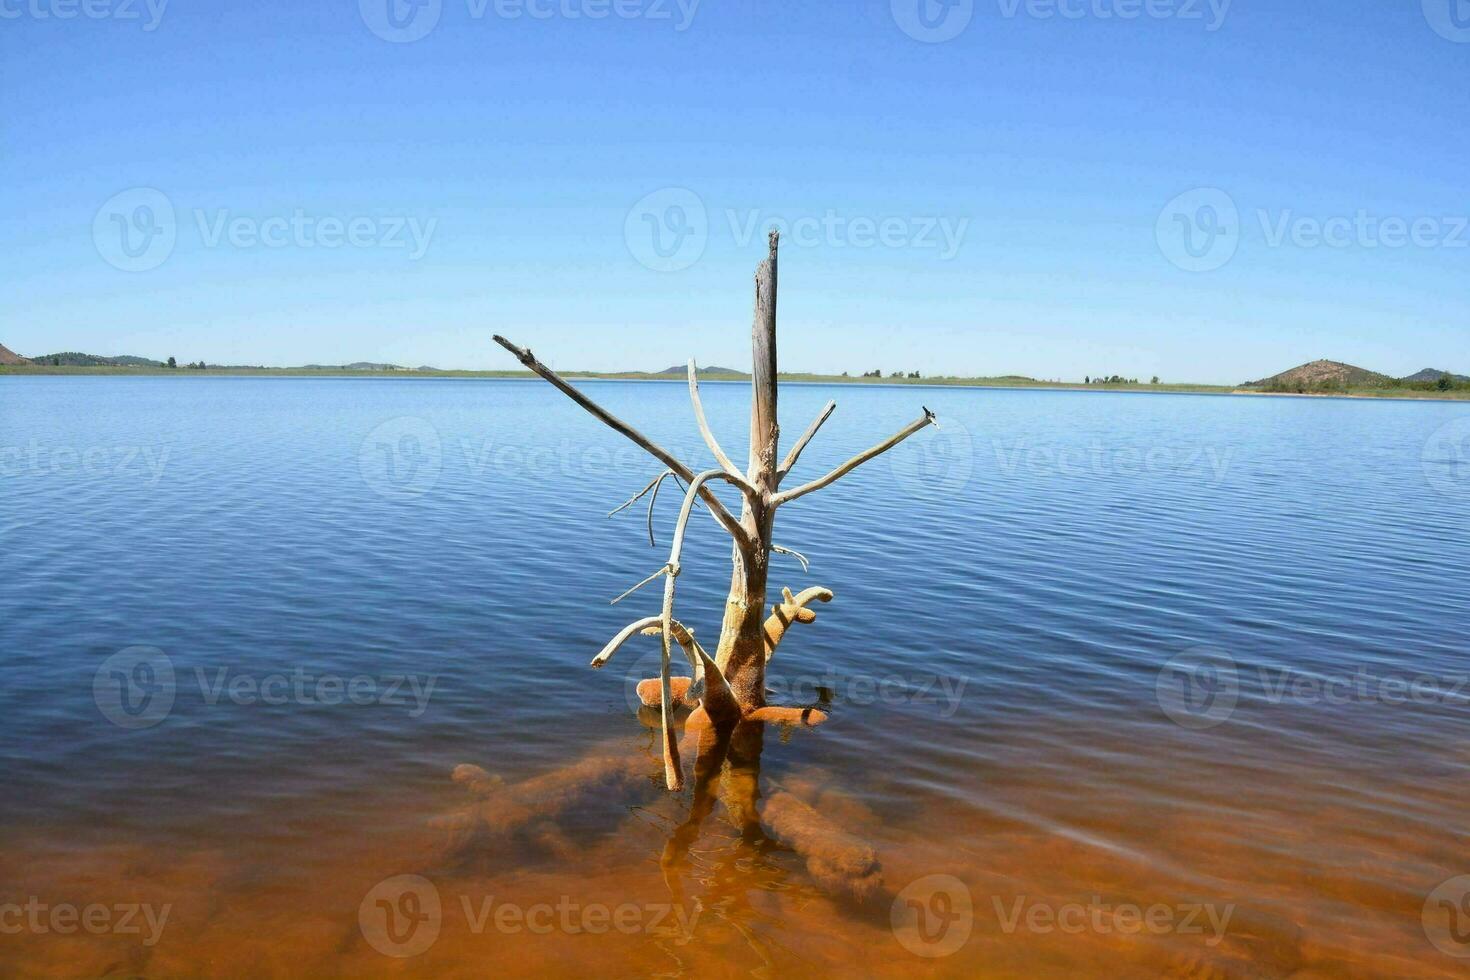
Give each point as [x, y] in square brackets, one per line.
[508, 817]
[837, 860]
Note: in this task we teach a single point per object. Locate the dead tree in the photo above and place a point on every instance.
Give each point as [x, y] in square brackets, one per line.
[730, 687]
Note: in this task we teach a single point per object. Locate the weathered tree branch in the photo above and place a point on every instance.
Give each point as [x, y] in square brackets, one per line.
[727, 520]
[662, 571]
[685, 638]
[858, 460]
[737, 477]
[673, 773]
[639, 495]
[805, 565]
[653, 485]
[806, 437]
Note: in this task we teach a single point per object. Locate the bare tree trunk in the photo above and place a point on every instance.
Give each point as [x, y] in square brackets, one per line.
[731, 686]
[741, 654]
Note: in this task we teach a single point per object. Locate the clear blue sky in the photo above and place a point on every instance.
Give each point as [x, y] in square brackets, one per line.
[519, 146]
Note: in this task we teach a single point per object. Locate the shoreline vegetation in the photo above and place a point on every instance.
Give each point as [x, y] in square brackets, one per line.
[1310, 380]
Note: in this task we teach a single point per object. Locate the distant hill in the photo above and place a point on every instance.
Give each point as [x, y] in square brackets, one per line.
[1322, 376]
[73, 359]
[8, 356]
[1433, 374]
[681, 371]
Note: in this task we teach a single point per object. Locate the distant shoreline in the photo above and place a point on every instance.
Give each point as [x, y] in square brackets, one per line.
[1002, 382]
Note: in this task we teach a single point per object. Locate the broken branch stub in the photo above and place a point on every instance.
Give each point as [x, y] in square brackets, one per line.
[806, 437]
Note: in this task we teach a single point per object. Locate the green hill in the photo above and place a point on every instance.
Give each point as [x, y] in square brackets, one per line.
[74, 359]
[1432, 375]
[1322, 376]
[679, 370]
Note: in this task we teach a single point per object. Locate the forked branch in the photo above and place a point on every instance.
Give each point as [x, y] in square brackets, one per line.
[858, 460]
[653, 485]
[685, 638]
[727, 520]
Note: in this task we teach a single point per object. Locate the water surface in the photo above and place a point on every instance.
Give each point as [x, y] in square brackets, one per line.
[1088, 651]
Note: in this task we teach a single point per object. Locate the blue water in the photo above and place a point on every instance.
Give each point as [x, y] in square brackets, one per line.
[1008, 589]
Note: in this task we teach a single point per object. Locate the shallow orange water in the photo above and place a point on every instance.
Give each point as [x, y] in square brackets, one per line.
[1245, 881]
